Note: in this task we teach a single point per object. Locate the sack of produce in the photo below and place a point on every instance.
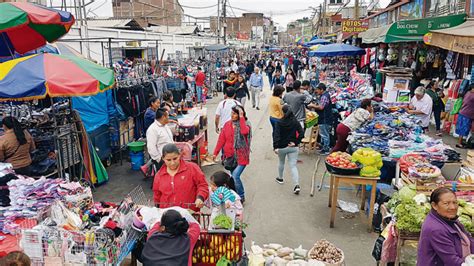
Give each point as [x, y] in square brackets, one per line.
[325, 252]
[424, 171]
[370, 171]
[367, 156]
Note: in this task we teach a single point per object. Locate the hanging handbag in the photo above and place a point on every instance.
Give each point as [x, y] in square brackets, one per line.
[230, 163]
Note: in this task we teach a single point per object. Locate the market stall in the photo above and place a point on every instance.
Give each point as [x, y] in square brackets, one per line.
[42, 75]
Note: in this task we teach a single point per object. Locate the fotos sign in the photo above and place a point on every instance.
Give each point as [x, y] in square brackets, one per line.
[351, 27]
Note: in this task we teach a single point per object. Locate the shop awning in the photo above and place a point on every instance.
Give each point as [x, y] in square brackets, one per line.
[458, 39]
[410, 30]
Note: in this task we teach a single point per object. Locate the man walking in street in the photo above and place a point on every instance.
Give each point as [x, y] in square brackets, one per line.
[200, 78]
[278, 79]
[298, 101]
[224, 109]
[324, 110]
[256, 87]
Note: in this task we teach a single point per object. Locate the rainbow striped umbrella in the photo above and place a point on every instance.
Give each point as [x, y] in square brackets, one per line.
[25, 27]
[36, 76]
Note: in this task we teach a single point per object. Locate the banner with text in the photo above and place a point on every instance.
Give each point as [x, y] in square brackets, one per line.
[352, 27]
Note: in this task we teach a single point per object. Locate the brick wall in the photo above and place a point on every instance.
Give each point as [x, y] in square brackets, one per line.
[166, 12]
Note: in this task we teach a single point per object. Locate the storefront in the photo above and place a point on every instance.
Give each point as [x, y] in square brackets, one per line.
[410, 30]
[458, 39]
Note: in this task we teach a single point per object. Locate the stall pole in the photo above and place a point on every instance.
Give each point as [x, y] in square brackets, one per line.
[110, 53]
[103, 53]
[56, 141]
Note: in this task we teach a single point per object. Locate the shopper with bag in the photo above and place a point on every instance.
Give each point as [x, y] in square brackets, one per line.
[287, 136]
[234, 140]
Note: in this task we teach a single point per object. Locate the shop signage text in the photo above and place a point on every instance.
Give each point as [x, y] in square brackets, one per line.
[350, 26]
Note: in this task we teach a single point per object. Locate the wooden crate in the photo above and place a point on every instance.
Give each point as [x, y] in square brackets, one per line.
[470, 157]
[126, 131]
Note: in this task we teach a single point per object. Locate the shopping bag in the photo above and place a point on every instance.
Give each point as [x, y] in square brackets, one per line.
[223, 261]
[457, 106]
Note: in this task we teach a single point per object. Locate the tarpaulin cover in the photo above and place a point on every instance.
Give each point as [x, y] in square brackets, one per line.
[96, 110]
[337, 49]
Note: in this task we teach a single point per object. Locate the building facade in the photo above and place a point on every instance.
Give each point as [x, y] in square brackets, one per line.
[250, 26]
[150, 12]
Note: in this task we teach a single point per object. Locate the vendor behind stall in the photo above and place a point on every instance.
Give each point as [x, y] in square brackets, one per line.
[443, 239]
[351, 123]
[421, 105]
[153, 105]
[16, 145]
[179, 183]
[171, 241]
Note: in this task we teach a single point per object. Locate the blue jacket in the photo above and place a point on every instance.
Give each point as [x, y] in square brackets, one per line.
[149, 117]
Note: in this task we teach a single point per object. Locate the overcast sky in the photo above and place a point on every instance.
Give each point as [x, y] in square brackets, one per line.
[282, 11]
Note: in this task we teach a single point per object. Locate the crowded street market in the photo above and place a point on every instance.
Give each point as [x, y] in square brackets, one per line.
[147, 160]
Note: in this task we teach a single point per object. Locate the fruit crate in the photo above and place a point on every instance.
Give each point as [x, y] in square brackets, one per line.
[210, 247]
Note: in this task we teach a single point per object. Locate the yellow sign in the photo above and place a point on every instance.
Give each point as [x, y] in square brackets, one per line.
[350, 26]
[133, 44]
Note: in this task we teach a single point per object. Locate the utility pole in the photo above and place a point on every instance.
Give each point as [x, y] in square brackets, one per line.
[356, 9]
[224, 10]
[218, 21]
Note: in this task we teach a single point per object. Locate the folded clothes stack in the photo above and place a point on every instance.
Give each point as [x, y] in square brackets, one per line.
[29, 196]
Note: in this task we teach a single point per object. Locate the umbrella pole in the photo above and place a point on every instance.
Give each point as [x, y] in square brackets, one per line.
[56, 142]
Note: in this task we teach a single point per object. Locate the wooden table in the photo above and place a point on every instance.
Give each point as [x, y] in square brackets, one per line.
[355, 180]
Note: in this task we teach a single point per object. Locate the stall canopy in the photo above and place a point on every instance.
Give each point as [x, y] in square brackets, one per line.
[40, 75]
[25, 27]
[458, 39]
[337, 49]
[216, 47]
[410, 30]
[316, 42]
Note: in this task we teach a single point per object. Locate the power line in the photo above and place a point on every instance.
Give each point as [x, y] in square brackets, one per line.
[199, 7]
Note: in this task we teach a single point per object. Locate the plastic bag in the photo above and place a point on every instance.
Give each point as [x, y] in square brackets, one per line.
[367, 156]
[370, 171]
[389, 246]
[457, 106]
[223, 261]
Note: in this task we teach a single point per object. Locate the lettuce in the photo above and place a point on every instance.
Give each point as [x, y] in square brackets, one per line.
[410, 216]
[406, 193]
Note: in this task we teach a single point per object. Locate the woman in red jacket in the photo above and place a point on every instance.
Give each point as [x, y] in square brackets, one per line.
[178, 182]
[234, 140]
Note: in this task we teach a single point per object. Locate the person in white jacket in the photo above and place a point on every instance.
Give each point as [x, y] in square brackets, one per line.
[157, 136]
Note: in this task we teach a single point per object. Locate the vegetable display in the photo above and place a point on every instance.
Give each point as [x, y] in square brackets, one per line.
[326, 252]
[424, 171]
[410, 216]
[341, 160]
[371, 159]
[222, 221]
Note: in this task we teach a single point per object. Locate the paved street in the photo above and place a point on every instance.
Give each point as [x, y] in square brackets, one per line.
[273, 212]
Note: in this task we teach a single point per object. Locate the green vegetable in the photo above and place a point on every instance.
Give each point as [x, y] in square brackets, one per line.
[406, 194]
[466, 221]
[222, 221]
[410, 216]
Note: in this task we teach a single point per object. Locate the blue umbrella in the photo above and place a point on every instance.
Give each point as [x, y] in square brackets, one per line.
[337, 49]
[316, 42]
